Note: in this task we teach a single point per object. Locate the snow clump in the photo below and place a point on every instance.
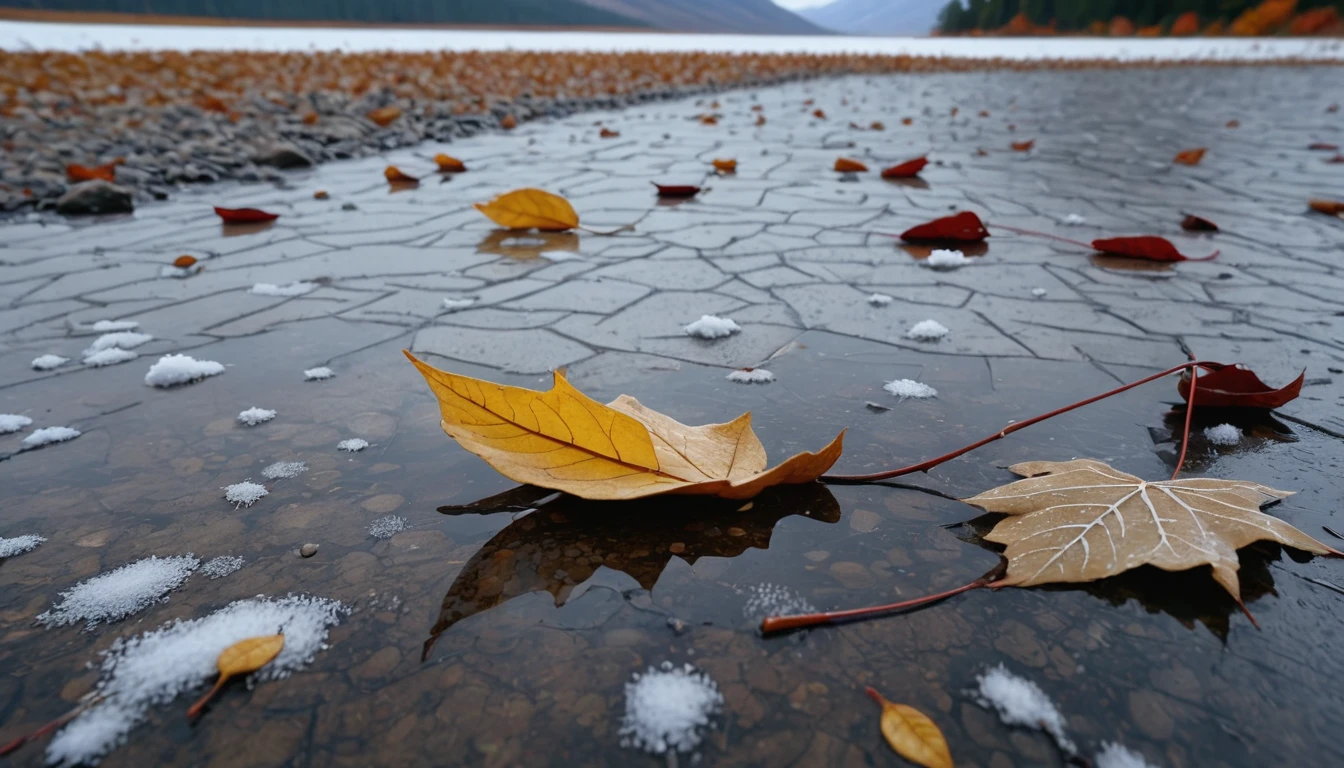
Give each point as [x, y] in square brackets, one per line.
[1117, 756]
[1074, 220]
[387, 527]
[1020, 702]
[904, 388]
[712, 327]
[254, 416]
[942, 259]
[118, 340]
[49, 435]
[318, 374]
[451, 304]
[110, 357]
[109, 326]
[288, 290]
[19, 544]
[13, 422]
[927, 330]
[219, 567]
[751, 376]
[879, 299]
[284, 470]
[48, 362]
[171, 370]
[117, 594]
[668, 708]
[353, 445]
[1223, 434]
[244, 494]
[1038, 292]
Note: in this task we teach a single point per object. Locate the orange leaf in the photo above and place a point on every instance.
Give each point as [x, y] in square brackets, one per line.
[531, 208]
[820, 114]
[877, 126]
[709, 119]
[1332, 207]
[394, 174]
[907, 120]
[320, 194]
[1023, 146]
[508, 123]
[906, 170]
[725, 166]
[1233, 123]
[955, 110]
[607, 133]
[385, 116]
[182, 262]
[449, 164]
[963, 227]
[1190, 156]
[760, 120]
[310, 118]
[244, 215]
[912, 734]
[77, 172]
[984, 113]
[845, 165]
[757, 108]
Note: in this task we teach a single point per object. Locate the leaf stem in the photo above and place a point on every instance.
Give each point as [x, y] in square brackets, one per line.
[87, 701]
[1008, 430]
[1030, 233]
[196, 708]
[1185, 432]
[605, 234]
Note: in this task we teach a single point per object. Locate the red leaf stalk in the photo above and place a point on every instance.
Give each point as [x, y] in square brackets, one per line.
[1030, 233]
[773, 624]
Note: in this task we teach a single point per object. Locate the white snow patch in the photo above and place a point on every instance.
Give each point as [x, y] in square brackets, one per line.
[753, 376]
[879, 299]
[559, 256]
[904, 388]
[17, 545]
[284, 469]
[1074, 220]
[1223, 434]
[387, 527]
[110, 357]
[765, 600]
[169, 270]
[318, 374]
[155, 667]
[712, 327]
[288, 290]
[48, 362]
[13, 422]
[254, 416]
[943, 259]
[353, 445]
[926, 330]
[455, 304]
[119, 340]
[171, 370]
[1038, 292]
[49, 435]
[1118, 756]
[1020, 702]
[668, 708]
[117, 594]
[108, 326]
[244, 494]
[219, 567]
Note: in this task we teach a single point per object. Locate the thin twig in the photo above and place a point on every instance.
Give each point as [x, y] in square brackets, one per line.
[88, 700]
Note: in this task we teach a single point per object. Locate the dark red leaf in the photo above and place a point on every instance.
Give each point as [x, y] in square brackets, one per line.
[676, 190]
[244, 215]
[907, 170]
[1144, 247]
[964, 227]
[1194, 223]
[1336, 159]
[1324, 146]
[1235, 386]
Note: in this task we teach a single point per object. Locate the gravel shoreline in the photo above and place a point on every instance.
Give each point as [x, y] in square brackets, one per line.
[156, 121]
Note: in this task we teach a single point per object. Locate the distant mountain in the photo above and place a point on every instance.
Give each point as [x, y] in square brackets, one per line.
[501, 12]
[877, 17]
[761, 17]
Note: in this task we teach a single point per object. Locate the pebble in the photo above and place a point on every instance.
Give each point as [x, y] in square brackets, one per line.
[308, 550]
[96, 196]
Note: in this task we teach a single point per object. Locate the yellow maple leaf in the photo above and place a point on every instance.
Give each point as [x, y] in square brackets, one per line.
[566, 441]
[530, 208]
[912, 734]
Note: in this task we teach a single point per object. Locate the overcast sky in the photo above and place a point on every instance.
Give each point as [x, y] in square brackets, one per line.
[794, 5]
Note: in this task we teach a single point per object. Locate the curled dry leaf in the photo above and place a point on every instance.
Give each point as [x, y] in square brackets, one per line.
[508, 123]
[820, 114]
[907, 121]
[1193, 223]
[321, 194]
[385, 116]
[846, 165]
[907, 170]
[1081, 520]
[1331, 207]
[676, 190]
[182, 262]
[709, 119]
[563, 440]
[394, 174]
[1023, 146]
[242, 658]
[760, 120]
[877, 125]
[1322, 146]
[963, 227]
[912, 734]
[1235, 386]
[725, 166]
[757, 108]
[1233, 124]
[77, 172]
[1145, 247]
[1190, 156]
[244, 215]
[607, 133]
[449, 164]
[531, 208]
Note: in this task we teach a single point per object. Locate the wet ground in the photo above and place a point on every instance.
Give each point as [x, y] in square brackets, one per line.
[494, 636]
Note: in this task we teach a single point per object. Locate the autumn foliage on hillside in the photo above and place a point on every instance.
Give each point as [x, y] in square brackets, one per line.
[1242, 18]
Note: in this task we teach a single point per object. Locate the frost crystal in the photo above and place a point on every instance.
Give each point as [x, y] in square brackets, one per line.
[947, 259]
[13, 422]
[668, 708]
[108, 326]
[753, 376]
[119, 340]
[117, 594]
[454, 304]
[1223, 434]
[49, 435]
[904, 388]
[288, 290]
[19, 544]
[318, 374]
[244, 494]
[221, 566]
[48, 362]
[353, 445]
[765, 600]
[1117, 756]
[1020, 702]
[284, 469]
[387, 527]
[254, 416]
[879, 299]
[711, 327]
[927, 330]
[109, 357]
[171, 370]
[155, 667]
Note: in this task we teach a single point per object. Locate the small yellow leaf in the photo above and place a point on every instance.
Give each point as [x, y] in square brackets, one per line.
[847, 165]
[531, 209]
[242, 658]
[449, 164]
[395, 175]
[725, 166]
[912, 734]
[385, 116]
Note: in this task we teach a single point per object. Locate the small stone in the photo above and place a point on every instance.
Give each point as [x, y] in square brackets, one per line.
[283, 156]
[308, 550]
[96, 196]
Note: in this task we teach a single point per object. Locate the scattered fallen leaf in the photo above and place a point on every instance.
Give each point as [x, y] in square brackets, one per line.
[984, 113]
[449, 164]
[242, 658]
[846, 165]
[1081, 520]
[906, 170]
[756, 108]
[912, 734]
[1190, 156]
[77, 172]
[508, 123]
[725, 166]
[1144, 247]
[963, 227]
[321, 194]
[310, 118]
[1195, 223]
[820, 114]
[981, 152]
[1332, 108]
[563, 440]
[531, 208]
[955, 110]
[394, 174]
[385, 116]
[907, 120]
[1233, 124]
[1235, 386]
[709, 119]
[1023, 146]
[760, 120]
[809, 102]
[607, 133]
[182, 262]
[1332, 207]
[877, 125]
[1336, 159]
[676, 190]
[1322, 146]
[244, 215]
